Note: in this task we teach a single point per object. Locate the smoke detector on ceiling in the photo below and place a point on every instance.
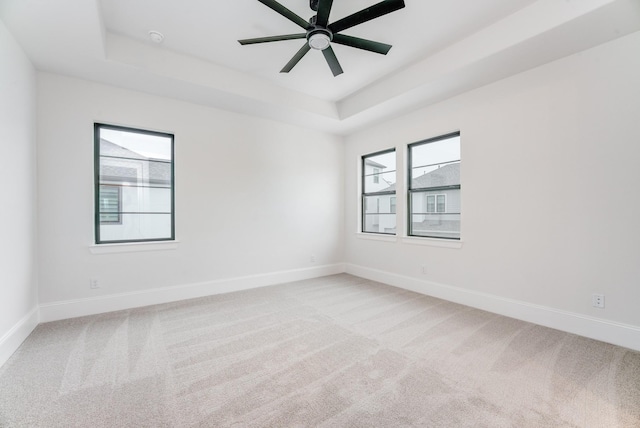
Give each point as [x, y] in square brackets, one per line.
[156, 36]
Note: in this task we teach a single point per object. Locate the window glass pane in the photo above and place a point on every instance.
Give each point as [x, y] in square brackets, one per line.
[425, 221]
[438, 176]
[380, 173]
[379, 223]
[379, 204]
[436, 163]
[137, 227]
[135, 178]
[109, 201]
[436, 225]
[379, 214]
[441, 203]
[138, 172]
[145, 199]
[431, 204]
[127, 143]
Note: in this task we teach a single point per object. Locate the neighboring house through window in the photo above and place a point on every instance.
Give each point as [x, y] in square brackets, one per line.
[378, 192]
[134, 185]
[436, 203]
[434, 187]
[110, 204]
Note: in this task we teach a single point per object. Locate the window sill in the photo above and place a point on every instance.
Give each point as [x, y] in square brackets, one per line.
[131, 247]
[433, 242]
[377, 237]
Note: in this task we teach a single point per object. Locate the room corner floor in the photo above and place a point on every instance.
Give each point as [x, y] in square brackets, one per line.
[336, 351]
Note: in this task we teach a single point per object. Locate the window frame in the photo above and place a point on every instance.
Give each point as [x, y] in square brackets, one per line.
[96, 181]
[364, 194]
[411, 191]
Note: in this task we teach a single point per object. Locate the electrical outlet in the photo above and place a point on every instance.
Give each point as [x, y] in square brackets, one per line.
[94, 283]
[423, 269]
[597, 300]
[312, 258]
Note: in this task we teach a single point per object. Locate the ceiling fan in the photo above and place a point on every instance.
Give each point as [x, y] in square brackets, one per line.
[320, 33]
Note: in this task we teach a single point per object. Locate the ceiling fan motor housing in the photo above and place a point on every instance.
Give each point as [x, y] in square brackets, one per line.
[313, 4]
[318, 37]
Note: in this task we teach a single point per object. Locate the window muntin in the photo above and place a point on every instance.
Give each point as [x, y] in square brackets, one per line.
[434, 187]
[378, 192]
[137, 166]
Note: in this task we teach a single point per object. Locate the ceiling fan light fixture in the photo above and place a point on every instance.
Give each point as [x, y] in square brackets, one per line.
[319, 41]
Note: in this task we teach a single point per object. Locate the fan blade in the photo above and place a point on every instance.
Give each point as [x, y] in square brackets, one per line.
[375, 11]
[356, 42]
[324, 7]
[334, 65]
[296, 58]
[285, 12]
[272, 39]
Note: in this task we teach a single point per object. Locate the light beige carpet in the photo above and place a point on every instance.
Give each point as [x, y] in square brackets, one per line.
[338, 351]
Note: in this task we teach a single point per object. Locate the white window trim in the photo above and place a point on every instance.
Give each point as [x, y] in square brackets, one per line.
[432, 242]
[373, 236]
[131, 247]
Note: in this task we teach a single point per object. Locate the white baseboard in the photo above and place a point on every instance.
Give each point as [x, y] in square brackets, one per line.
[115, 302]
[619, 334]
[596, 328]
[12, 340]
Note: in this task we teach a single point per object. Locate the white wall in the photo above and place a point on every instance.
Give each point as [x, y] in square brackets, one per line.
[18, 294]
[253, 197]
[550, 190]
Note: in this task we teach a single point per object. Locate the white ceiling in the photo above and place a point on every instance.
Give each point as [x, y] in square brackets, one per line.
[440, 48]
[207, 30]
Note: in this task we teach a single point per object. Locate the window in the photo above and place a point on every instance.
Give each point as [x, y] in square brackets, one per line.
[110, 198]
[378, 192]
[134, 185]
[441, 205]
[432, 207]
[431, 203]
[434, 187]
[376, 175]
